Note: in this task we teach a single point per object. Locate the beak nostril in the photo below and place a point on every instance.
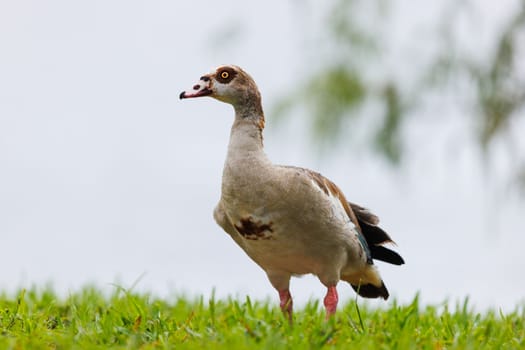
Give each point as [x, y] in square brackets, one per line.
[196, 87]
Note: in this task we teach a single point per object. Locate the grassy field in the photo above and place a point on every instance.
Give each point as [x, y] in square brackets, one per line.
[88, 319]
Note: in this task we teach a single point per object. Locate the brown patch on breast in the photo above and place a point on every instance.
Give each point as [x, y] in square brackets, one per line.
[251, 229]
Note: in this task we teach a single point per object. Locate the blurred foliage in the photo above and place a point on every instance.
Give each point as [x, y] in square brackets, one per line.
[388, 138]
[501, 91]
[324, 92]
[499, 84]
[335, 92]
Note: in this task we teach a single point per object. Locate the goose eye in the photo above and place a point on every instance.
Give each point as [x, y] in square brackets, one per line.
[225, 75]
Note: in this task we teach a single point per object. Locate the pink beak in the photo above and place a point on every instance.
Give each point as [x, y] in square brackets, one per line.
[202, 88]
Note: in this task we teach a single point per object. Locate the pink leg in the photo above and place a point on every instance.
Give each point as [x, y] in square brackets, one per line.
[330, 301]
[286, 303]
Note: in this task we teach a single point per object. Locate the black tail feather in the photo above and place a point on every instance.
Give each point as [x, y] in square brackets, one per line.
[384, 254]
[375, 236]
[364, 214]
[371, 291]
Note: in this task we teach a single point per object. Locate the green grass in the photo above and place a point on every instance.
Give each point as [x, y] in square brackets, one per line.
[89, 319]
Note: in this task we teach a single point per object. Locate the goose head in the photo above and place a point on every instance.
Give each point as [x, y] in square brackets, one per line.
[229, 84]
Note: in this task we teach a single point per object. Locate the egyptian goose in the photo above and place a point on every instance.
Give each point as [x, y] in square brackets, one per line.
[291, 221]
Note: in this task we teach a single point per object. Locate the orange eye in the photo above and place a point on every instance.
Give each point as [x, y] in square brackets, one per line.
[225, 75]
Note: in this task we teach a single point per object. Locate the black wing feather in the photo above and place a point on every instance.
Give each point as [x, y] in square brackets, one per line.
[375, 236]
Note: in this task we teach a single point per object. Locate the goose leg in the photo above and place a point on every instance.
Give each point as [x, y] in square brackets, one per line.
[281, 282]
[286, 303]
[330, 301]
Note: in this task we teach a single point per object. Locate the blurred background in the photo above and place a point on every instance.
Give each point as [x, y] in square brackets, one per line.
[415, 109]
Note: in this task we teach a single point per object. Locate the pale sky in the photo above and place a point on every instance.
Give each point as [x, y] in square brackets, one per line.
[106, 176]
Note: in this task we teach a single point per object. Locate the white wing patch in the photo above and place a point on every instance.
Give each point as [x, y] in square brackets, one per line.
[337, 209]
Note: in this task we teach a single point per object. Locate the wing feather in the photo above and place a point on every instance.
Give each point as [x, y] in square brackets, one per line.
[371, 236]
